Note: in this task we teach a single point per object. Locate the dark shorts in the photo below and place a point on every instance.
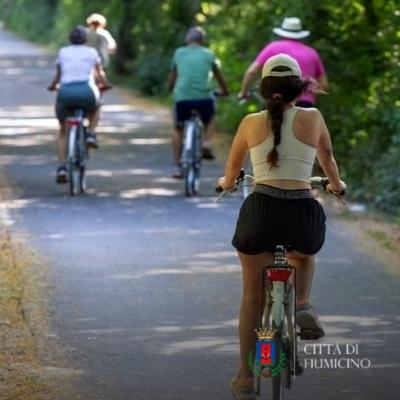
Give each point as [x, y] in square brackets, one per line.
[266, 221]
[75, 95]
[183, 110]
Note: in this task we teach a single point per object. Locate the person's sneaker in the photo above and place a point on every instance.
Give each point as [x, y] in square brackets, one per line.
[243, 388]
[61, 176]
[91, 140]
[177, 172]
[207, 154]
[308, 322]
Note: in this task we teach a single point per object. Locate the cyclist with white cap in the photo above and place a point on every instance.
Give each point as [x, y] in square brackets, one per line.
[283, 142]
[100, 38]
[291, 33]
[189, 79]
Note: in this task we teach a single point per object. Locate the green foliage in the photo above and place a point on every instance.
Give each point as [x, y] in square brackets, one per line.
[359, 41]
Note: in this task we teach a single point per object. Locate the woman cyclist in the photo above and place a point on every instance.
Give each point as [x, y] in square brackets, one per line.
[283, 142]
[76, 66]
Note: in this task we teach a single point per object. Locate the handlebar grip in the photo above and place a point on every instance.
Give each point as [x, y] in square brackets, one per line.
[241, 175]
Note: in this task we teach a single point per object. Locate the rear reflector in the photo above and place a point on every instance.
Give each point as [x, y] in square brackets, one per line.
[278, 274]
[73, 122]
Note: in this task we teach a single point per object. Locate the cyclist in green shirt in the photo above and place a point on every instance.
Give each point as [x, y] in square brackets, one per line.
[191, 69]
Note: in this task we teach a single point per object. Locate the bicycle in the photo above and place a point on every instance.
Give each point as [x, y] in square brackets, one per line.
[191, 156]
[77, 150]
[276, 348]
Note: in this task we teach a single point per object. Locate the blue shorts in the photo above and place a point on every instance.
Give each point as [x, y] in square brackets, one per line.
[76, 95]
[183, 110]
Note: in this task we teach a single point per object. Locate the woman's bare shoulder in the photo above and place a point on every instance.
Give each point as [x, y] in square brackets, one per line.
[308, 115]
[254, 118]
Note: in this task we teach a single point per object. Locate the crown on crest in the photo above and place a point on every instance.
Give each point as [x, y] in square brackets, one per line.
[265, 334]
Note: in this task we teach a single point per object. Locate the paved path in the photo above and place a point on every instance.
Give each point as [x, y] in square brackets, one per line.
[146, 286]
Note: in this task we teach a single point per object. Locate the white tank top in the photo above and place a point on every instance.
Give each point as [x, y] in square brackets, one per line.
[296, 158]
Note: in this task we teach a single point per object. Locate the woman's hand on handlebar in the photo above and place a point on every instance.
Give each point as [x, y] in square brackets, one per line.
[52, 87]
[104, 86]
[337, 190]
[222, 187]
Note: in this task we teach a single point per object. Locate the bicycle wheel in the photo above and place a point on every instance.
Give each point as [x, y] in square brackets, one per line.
[73, 170]
[278, 324]
[190, 174]
[81, 156]
[291, 348]
[197, 157]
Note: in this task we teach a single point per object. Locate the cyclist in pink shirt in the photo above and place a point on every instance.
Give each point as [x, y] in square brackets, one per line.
[308, 58]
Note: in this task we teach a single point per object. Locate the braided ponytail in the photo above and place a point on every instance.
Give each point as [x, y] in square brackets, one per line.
[275, 108]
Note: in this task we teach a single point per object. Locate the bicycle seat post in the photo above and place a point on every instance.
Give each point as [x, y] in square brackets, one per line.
[280, 259]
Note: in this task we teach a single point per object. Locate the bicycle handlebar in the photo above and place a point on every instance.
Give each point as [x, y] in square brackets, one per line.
[102, 88]
[316, 182]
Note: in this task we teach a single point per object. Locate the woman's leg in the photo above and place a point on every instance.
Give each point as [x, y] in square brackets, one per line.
[304, 265]
[94, 118]
[61, 152]
[250, 310]
[307, 319]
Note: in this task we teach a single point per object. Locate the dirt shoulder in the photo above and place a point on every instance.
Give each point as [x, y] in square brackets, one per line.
[31, 366]
[374, 235]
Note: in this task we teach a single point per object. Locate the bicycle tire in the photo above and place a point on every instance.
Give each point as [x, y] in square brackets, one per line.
[81, 156]
[187, 160]
[278, 323]
[291, 351]
[72, 155]
[189, 176]
[197, 157]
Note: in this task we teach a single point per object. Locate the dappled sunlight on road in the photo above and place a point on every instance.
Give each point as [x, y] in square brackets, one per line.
[144, 192]
[12, 71]
[149, 141]
[185, 269]
[47, 123]
[120, 172]
[28, 141]
[17, 203]
[217, 254]
[15, 131]
[8, 159]
[211, 344]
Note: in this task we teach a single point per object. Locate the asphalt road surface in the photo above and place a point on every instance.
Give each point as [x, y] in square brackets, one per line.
[145, 284]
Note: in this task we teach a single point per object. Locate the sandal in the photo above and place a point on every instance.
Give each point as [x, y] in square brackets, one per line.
[307, 320]
[243, 388]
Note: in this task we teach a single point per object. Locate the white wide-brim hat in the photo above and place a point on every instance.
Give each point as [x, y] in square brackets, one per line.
[291, 28]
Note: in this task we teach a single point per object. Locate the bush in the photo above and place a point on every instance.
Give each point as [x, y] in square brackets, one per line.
[151, 73]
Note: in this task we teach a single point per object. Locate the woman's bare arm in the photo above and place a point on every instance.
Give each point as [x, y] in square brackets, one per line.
[326, 159]
[237, 155]
[56, 79]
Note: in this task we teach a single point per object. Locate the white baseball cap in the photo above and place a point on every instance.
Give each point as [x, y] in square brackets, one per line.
[281, 60]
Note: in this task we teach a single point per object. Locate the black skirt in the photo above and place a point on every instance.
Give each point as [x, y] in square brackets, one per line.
[272, 216]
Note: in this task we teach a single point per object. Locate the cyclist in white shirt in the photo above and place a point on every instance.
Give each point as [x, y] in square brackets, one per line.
[76, 65]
